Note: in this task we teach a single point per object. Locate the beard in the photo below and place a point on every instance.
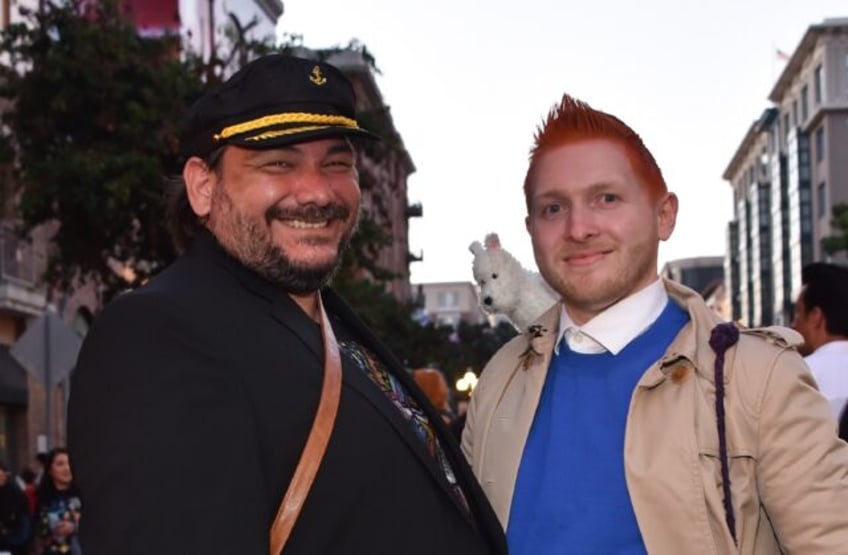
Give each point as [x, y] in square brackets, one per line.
[595, 292]
[249, 241]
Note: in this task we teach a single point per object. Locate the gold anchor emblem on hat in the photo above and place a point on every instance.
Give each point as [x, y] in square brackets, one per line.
[317, 77]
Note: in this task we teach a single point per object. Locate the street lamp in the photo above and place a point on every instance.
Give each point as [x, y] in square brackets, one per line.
[467, 382]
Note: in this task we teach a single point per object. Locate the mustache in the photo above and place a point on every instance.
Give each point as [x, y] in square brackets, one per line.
[308, 213]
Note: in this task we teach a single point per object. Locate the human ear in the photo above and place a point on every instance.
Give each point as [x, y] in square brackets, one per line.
[667, 215]
[817, 318]
[199, 183]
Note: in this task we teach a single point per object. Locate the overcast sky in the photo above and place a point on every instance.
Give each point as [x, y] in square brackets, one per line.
[468, 81]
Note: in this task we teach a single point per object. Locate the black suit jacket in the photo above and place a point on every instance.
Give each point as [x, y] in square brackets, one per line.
[190, 405]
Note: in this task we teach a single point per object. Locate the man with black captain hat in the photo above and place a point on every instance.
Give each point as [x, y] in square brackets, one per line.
[194, 396]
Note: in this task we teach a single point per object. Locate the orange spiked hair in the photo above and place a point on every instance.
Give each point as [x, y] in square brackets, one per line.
[572, 121]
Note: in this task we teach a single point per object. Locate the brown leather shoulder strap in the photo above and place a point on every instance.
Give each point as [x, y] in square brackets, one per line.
[316, 443]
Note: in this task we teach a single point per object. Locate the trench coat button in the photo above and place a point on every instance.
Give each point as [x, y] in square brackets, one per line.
[678, 374]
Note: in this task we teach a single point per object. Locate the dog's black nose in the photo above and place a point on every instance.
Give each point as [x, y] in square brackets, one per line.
[487, 301]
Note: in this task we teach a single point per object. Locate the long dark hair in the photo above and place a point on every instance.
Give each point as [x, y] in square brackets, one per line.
[47, 489]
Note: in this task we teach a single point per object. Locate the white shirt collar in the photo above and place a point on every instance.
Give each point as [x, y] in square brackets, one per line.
[831, 347]
[615, 327]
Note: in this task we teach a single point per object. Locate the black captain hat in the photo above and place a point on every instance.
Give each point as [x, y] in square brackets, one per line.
[274, 100]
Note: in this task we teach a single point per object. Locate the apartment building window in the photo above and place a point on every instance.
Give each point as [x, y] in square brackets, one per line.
[805, 106]
[821, 198]
[786, 124]
[763, 205]
[447, 299]
[795, 121]
[819, 144]
[817, 84]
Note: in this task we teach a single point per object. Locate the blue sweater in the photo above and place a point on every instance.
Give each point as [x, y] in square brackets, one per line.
[570, 494]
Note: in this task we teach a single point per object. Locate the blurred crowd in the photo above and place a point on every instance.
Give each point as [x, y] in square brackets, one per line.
[40, 508]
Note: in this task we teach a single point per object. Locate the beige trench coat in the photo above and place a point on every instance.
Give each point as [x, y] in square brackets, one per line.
[788, 469]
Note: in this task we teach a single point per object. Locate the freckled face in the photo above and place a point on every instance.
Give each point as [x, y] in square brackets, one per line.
[287, 212]
[594, 226]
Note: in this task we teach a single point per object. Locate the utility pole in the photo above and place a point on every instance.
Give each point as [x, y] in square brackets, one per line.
[211, 29]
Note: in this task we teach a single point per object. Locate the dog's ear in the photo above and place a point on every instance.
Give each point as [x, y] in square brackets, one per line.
[493, 241]
[476, 248]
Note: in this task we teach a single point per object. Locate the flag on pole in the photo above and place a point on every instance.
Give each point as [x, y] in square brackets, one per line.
[782, 56]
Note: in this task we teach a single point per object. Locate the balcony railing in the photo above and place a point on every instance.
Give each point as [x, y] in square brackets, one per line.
[21, 262]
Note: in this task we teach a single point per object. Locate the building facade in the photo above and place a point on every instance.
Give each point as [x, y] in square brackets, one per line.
[699, 273]
[10, 10]
[23, 397]
[449, 303]
[704, 274]
[31, 414]
[204, 21]
[787, 174]
[383, 175]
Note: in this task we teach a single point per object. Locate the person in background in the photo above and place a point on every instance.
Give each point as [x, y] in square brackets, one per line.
[821, 316]
[27, 483]
[15, 519]
[432, 382]
[224, 349]
[629, 418]
[59, 506]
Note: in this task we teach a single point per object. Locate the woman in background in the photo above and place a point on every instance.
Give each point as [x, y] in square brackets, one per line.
[59, 506]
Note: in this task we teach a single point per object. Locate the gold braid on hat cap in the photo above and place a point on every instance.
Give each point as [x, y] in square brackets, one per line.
[281, 132]
[288, 117]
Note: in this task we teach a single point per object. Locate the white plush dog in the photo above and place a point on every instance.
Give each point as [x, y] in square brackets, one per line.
[506, 287]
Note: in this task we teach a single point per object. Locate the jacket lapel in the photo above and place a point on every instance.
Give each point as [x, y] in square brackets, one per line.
[285, 311]
[363, 385]
[511, 421]
[354, 379]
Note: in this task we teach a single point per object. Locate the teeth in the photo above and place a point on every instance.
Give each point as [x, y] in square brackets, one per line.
[300, 224]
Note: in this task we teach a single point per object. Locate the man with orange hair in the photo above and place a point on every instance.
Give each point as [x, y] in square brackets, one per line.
[628, 419]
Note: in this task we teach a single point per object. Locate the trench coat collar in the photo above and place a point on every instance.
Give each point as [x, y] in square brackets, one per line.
[690, 347]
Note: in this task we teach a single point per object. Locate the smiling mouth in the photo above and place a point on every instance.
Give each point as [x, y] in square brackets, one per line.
[301, 224]
[309, 216]
[585, 258]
